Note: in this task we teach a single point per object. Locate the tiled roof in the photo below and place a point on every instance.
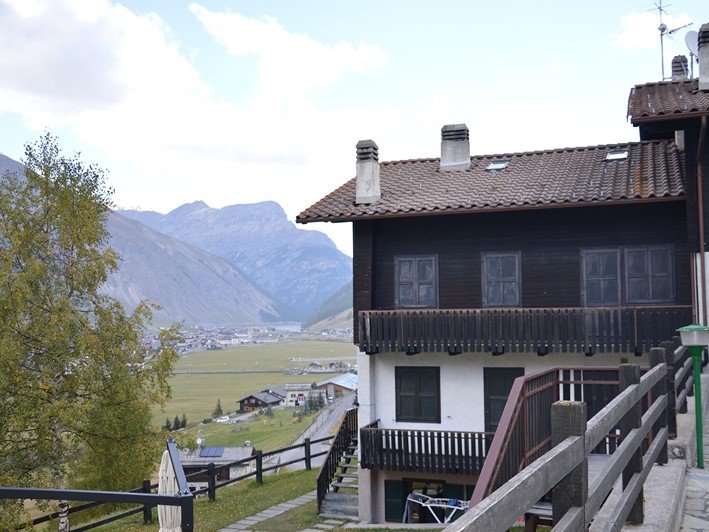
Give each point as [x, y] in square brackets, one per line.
[346, 380]
[228, 454]
[664, 98]
[653, 169]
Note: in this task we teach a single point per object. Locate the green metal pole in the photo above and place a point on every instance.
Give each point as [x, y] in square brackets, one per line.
[696, 352]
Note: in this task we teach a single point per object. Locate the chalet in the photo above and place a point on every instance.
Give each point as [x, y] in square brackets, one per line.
[259, 400]
[339, 385]
[472, 270]
[222, 457]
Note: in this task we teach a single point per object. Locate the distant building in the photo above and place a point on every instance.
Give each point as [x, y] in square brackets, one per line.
[259, 400]
[298, 394]
[347, 382]
[198, 460]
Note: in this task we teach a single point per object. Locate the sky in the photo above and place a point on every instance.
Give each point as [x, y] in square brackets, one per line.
[244, 101]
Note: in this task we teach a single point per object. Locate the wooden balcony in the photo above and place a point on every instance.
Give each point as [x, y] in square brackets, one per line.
[425, 451]
[500, 330]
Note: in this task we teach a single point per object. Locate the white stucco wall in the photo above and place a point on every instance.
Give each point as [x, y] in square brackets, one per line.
[462, 390]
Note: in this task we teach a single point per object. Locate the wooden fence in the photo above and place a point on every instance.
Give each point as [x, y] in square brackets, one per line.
[145, 495]
[500, 330]
[563, 470]
[346, 433]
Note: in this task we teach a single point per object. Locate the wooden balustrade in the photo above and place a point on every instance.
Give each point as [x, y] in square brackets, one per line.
[542, 330]
[426, 451]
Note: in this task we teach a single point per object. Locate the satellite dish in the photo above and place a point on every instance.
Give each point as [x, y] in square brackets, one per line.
[691, 39]
[200, 442]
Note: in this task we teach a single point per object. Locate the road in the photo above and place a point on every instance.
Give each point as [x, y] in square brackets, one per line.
[324, 424]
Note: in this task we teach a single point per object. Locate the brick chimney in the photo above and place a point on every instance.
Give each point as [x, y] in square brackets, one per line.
[367, 182]
[703, 46]
[455, 147]
[680, 69]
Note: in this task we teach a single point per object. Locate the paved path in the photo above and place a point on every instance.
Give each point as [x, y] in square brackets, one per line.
[696, 507]
[250, 522]
[322, 426]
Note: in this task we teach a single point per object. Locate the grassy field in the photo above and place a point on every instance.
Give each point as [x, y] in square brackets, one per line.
[264, 433]
[195, 395]
[268, 356]
[235, 503]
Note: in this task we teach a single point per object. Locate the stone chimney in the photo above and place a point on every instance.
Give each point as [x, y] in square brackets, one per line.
[680, 69]
[367, 183]
[455, 147]
[703, 46]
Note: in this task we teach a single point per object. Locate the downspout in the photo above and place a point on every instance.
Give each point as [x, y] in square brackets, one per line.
[700, 206]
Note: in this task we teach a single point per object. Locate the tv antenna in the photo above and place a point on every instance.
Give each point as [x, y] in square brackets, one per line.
[664, 30]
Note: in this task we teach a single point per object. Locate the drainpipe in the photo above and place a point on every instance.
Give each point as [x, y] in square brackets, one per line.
[700, 206]
[700, 203]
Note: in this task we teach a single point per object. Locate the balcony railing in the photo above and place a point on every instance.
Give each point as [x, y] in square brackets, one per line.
[541, 330]
[426, 451]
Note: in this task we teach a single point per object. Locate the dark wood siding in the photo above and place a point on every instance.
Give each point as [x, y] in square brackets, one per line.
[550, 242]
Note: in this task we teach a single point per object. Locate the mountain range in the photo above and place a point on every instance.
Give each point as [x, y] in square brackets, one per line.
[297, 268]
[238, 265]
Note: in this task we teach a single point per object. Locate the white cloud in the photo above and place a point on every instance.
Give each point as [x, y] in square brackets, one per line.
[291, 65]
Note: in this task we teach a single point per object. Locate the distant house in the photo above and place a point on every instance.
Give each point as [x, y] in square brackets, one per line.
[259, 400]
[298, 394]
[347, 382]
[199, 458]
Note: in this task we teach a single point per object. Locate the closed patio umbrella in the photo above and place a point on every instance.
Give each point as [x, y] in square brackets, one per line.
[170, 517]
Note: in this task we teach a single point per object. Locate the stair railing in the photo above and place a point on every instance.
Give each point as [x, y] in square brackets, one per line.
[346, 432]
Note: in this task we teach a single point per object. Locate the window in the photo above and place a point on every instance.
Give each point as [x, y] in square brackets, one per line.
[649, 274]
[616, 155]
[416, 281]
[601, 287]
[498, 164]
[501, 279]
[418, 396]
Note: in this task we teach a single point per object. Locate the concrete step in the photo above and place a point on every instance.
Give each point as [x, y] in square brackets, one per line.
[346, 475]
[340, 505]
[349, 465]
[340, 485]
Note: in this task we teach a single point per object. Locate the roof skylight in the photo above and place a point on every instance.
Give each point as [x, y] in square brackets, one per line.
[616, 155]
[498, 164]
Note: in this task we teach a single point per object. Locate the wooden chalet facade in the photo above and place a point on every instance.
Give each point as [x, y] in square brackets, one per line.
[470, 271]
[259, 400]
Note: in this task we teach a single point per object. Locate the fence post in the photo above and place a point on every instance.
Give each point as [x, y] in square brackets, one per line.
[568, 418]
[147, 509]
[657, 357]
[259, 467]
[672, 395]
[187, 510]
[629, 374]
[211, 482]
[306, 444]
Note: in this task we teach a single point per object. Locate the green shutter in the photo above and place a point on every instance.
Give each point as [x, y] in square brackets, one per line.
[393, 501]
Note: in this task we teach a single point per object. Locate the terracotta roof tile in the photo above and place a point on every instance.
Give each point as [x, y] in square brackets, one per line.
[653, 169]
[663, 98]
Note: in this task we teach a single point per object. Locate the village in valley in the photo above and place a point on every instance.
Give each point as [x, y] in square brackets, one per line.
[457, 292]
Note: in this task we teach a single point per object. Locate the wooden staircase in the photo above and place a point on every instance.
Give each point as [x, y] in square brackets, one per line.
[342, 500]
[338, 477]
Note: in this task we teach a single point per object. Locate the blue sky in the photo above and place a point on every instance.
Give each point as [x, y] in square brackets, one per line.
[244, 101]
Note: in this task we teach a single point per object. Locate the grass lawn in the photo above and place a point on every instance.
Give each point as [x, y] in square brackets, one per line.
[268, 356]
[195, 395]
[235, 503]
[265, 434]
